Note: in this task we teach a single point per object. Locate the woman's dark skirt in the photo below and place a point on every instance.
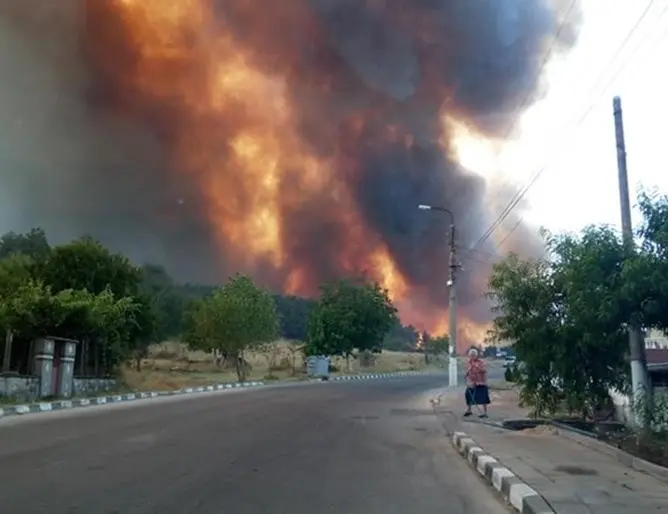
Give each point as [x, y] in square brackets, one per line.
[478, 395]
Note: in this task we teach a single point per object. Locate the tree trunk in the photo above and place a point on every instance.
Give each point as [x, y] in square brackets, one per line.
[7, 358]
[83, 350]
[240, 367]
[96, 357]
[348, 366]
[219, 358]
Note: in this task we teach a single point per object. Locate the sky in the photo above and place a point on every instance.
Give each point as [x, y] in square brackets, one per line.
[570, 133]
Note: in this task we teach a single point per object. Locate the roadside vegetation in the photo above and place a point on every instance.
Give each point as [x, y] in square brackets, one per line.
[567, 314]
[139, 325]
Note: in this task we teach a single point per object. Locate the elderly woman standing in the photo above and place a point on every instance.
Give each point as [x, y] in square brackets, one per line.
[477, 391]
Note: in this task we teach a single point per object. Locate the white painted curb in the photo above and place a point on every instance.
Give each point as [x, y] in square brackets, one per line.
[517, 493]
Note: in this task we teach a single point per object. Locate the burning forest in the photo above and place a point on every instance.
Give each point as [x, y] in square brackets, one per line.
[289, 140]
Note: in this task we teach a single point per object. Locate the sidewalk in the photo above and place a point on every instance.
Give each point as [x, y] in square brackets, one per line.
[573, 478]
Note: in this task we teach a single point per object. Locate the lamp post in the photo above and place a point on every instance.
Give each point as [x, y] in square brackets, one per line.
[452, 305]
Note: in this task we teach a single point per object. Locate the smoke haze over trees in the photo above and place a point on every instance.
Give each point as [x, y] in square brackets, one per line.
[288, 140]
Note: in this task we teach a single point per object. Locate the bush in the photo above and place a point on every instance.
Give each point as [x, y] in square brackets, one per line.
[367, 359]
[650, 443]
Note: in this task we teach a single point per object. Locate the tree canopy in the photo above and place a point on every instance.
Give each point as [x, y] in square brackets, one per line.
[568, 312]
[115, 308]
[235, 318]
[350, 316]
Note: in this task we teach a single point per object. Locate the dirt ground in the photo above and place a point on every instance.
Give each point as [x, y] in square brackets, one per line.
[171, 366]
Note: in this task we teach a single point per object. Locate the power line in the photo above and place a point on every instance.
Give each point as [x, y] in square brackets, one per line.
[500, 244]
[608, 83]
[522, 191]
[527, 97]
[588, 111]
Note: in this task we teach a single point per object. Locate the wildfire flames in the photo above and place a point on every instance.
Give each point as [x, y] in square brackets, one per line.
[313, 128]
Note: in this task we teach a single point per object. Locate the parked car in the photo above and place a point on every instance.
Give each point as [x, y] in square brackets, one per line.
[509, 361]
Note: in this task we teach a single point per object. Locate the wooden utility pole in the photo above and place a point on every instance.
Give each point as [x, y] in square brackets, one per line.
[639, 376]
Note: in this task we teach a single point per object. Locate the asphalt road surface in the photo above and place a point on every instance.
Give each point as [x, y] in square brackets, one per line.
[348, 448]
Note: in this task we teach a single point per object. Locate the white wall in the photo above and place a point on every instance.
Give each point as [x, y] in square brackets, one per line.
[622, 405]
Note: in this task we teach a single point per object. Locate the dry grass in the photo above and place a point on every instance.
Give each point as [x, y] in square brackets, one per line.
[386, 362]
[172, 366]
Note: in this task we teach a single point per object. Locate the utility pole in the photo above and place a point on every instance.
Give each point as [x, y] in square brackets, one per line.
[639, 375]
[452, 310]
[452, 304]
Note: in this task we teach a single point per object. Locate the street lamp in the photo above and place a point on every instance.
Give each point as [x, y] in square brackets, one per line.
[452, 307]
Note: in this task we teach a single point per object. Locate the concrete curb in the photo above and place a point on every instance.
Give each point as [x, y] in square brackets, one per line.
[517, 493]
[374, 376]
[32, 408]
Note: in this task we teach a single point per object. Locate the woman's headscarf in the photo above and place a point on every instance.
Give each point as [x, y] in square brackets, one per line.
[475, 368]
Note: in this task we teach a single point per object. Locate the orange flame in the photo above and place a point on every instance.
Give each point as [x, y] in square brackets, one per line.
[237, 135]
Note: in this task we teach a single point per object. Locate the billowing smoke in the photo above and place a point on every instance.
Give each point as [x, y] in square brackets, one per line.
[293, 140]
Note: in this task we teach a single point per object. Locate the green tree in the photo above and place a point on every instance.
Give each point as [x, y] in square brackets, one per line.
[87, 265]
[438, 345]
[566, 315]
[349, 317]
[401, 338]
[645, 275]
[589, 273]
[528, 311]
[168, 301]
[15, 271]
[235, 318]
[33, 310]
[32, 244]
[144, 328]
[294, 313]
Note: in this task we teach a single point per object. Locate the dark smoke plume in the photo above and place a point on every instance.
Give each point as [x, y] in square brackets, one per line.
[85, 152]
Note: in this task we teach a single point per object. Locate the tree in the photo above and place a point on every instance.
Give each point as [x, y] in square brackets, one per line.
[401, 338]
[236, 318]
[645, 275]
[33, 310]
[144, 328]
[589, 274]
[32, 244]
[86, 264]
[15, 271]
[566, 315]
[438, 345]
[294, 313]
[168, 301]
[350, 316]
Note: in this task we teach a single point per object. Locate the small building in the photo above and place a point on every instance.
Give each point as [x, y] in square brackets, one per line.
[43, 368]
[657, 366]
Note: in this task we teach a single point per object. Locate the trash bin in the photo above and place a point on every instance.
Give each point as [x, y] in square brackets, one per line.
[317, 366]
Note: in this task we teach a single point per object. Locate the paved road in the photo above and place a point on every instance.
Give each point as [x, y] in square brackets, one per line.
[362, 447]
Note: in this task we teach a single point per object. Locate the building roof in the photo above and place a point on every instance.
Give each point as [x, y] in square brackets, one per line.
[657, 358]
